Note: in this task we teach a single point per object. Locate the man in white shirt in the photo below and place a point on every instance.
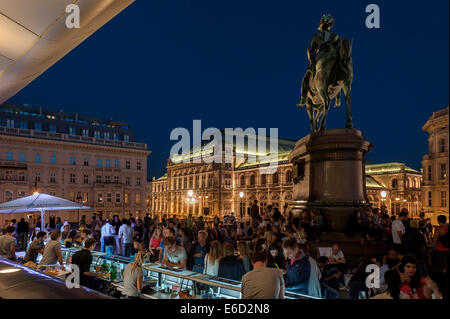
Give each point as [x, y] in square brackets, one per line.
[398, 230]
[107, 233]
[126, 236]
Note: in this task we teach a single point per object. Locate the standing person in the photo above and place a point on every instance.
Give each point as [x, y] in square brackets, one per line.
[441, 238]
[8, 244]
[23, 230]
[139, 229]
[262, 282]
[65, 231]
[398, 230]
[116, 223]
[83, 259]
[35, 248]
[254, 213]
[108, 232]
[230, 266]
[15, 235]
[52, 250]
[413, 241]
[184, 241]
[196, 259]
[298, 267]
[133, 277]
[212, 259]
[244, 254]
[126, 237]
[59, 224]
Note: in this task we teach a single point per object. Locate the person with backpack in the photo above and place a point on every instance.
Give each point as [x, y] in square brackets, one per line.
[441, 238]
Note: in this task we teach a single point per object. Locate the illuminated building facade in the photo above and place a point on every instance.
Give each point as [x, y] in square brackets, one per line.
[213, 189]
[435, 191]
[402, 184]
[79, 158]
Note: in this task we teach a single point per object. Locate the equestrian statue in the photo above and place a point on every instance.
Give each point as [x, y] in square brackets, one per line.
[330, 70]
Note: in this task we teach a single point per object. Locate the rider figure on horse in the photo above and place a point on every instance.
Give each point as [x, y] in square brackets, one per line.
[324, 43]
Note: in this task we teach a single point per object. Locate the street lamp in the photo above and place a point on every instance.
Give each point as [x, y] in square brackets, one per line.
[241, 195]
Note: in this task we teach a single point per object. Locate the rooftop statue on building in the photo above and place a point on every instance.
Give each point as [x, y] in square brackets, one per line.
[330, 70]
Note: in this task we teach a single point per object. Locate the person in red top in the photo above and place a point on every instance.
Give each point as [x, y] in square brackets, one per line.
[155, 243]
[406, 282]
[441, 238]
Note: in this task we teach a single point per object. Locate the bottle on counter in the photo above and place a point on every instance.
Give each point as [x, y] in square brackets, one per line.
[113, 273]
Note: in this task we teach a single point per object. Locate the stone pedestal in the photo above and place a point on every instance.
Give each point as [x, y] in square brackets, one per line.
[329, 174]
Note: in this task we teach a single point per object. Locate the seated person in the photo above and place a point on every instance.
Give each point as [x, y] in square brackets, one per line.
[298, 267]
[83, 259]
[174, 255]
[35, 248]
[393, 258]
[337, 259]
[231, 266]
[330, 278]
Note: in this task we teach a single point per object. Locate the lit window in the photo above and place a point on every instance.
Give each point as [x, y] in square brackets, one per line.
[85, 132]
[106, 136]
[72, 131]
[97, 134]
[9, 156]
[126, 138]
[99, 197]
[115, 137]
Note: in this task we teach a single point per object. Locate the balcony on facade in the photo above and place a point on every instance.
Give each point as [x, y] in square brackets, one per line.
[70, 138]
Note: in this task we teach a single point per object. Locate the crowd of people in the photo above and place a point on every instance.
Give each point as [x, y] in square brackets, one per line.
[270, 253]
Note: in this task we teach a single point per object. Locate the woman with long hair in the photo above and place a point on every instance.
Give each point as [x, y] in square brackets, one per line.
[212, 259]
[133, 277]
[155, 244]
[244, 254]
[406, 282]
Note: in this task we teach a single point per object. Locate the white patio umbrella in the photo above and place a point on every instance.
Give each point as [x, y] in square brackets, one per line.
[39, 202]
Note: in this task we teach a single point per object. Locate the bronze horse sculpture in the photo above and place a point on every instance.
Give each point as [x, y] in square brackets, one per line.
[330, 71]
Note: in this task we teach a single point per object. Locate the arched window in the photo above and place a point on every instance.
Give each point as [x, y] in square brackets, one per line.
[252, 179]
[242, 180]
[275, 178]
[263, 179]
[289, 176]
[394, 183]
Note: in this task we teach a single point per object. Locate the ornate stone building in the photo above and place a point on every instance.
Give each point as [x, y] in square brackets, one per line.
[79, 158]
[435, 191]
[402, 184]
[212, 189]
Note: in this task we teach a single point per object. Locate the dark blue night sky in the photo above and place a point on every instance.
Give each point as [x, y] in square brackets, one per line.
[160, 64]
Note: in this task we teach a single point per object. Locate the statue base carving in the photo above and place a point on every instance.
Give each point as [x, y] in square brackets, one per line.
[329, 175]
